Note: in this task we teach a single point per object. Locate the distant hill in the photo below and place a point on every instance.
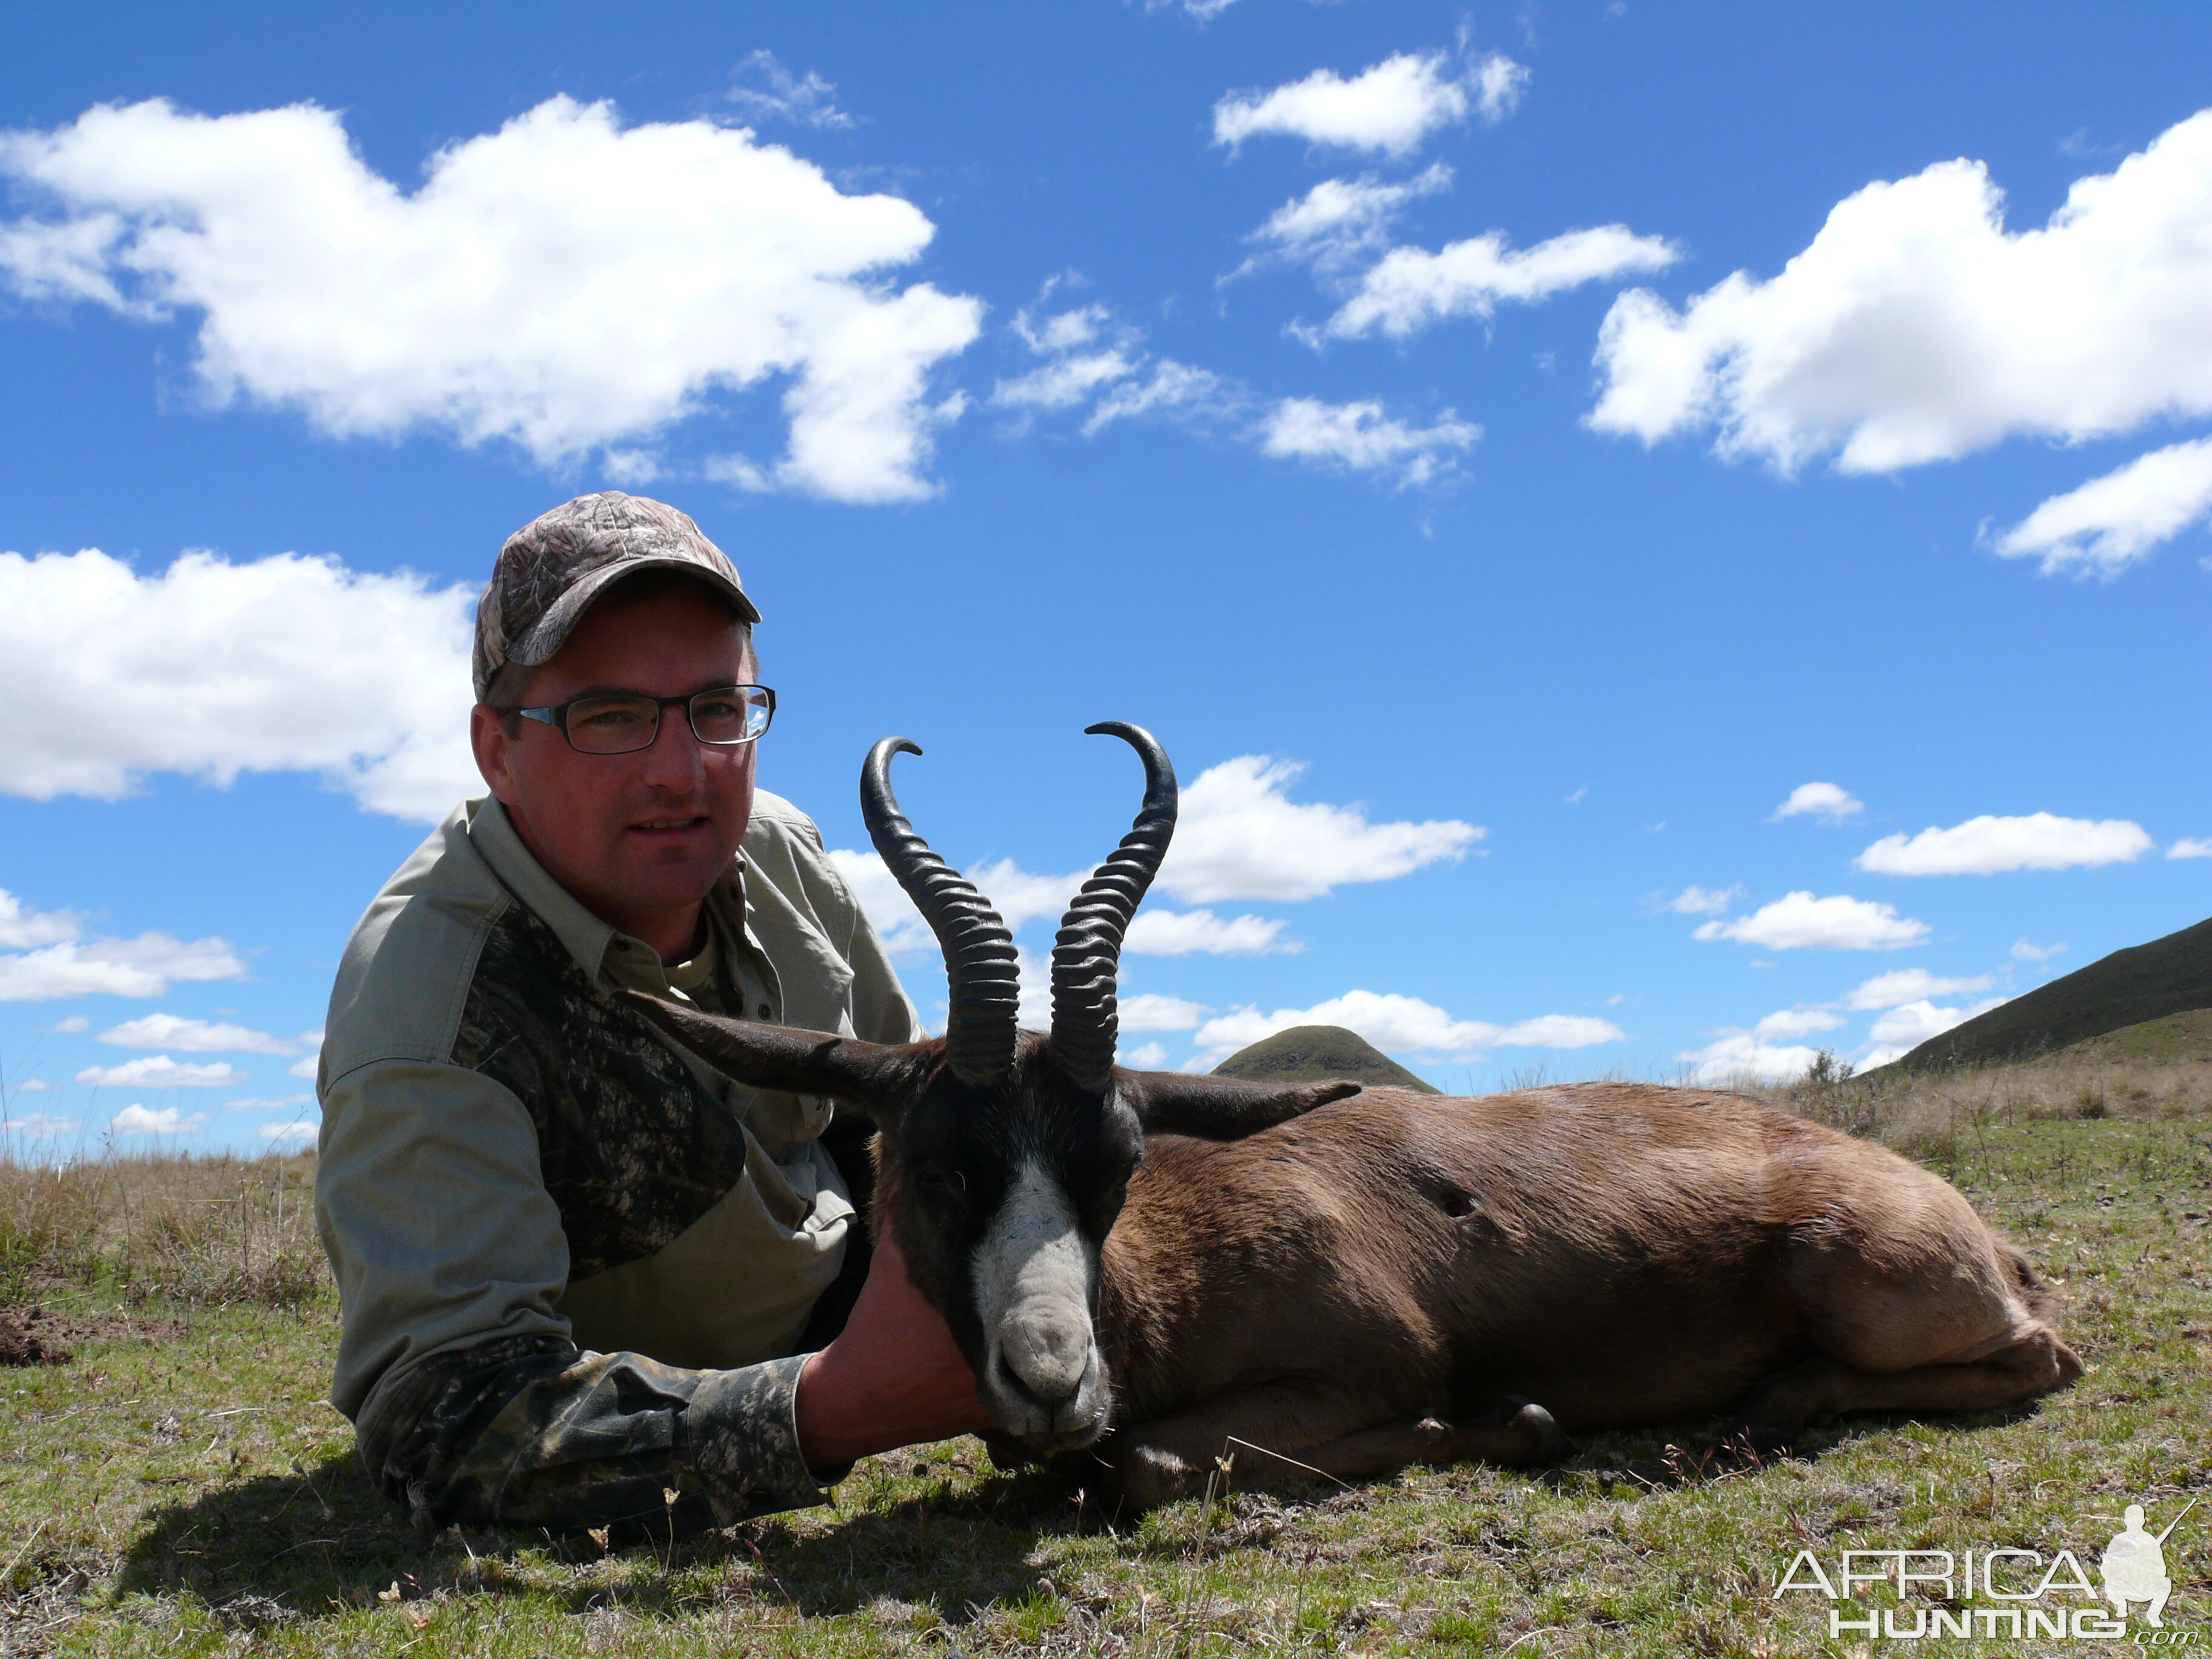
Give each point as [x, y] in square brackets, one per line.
[2175, 1039]
[1308, 1053]
[2131, 988]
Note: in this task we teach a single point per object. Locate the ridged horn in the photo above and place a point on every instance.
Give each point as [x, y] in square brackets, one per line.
[1086, 957]
[980, 966]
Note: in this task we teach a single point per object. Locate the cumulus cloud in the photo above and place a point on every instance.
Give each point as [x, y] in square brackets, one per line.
[1147, 1057]
[1241, 836]
[1828, 802]
[1797, 1022]
[1403, 1025]
[283, 1103]
[142, 967]
[2026, 951]
[491, 303]
[1905, 1028]
[192, 1036]
[37, 1126]
[2187, 849]
[289, 1132]
[1339, 221]
[160, 1072]
[1916, 328]
[1798, 921]
[168, 1121]
[762, 90]
[1910, 985]
[1151, 1011]
[31, 1086]
[1360, 437]
[1187, 932]
[1409, 289]
[2110, 522]
[21, 928]
[1740, 1057]
[1695, 900]
[285, 663]
[1986, 845]
[1391, 107]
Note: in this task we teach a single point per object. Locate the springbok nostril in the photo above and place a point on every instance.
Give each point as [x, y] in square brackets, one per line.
[1048, 1361]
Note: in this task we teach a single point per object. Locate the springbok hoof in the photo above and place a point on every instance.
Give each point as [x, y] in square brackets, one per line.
[1537, 1440]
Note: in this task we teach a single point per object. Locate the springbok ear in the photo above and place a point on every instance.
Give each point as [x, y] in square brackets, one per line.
[1221, 1107]
[874, 1078]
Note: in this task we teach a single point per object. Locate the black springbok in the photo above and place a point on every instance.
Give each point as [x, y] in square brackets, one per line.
[1152, 1270]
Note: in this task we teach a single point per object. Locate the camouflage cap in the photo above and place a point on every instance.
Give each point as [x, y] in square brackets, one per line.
[553, 568]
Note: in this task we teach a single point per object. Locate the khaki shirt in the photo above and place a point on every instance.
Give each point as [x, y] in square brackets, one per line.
[515, 1169]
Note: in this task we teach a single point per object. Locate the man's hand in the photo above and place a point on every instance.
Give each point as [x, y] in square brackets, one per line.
[892, 1377]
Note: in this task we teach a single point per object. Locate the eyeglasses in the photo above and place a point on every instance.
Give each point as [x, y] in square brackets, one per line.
[618, 723]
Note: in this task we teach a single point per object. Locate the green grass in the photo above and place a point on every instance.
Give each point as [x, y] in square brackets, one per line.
[199, 1498]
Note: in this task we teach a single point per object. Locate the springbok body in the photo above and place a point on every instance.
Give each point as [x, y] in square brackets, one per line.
[1150, 1270]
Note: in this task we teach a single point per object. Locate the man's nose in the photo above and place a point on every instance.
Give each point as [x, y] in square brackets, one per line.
[673, 760]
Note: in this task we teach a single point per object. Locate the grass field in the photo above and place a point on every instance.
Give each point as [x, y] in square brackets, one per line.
[183, 1489]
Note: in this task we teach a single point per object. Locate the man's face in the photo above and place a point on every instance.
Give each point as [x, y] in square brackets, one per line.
[639, 838]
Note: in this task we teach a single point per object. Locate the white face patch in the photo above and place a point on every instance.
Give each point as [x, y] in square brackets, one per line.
[1033, 1295]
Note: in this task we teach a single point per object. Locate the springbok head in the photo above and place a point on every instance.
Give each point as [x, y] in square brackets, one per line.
[1003, 1155]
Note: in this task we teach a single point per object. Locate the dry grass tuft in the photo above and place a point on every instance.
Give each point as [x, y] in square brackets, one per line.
[206, 1231]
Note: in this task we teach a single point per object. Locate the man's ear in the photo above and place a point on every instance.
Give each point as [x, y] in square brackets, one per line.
[876, 1079]
[1220, 1107]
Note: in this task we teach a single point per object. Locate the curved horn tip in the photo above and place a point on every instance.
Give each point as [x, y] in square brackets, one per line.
[889, 746]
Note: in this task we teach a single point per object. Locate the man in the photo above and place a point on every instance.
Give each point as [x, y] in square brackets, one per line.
[578, 1269]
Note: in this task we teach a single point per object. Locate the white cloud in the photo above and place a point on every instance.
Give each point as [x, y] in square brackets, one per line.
[1740, 1057]
[2186, 848]
[21, 929]
[285, 1104]
[1910, 985]
[1798, 922]
[1403, 1025]
[37, 1126]
[160, 1072]
[1195, 397]
[762, 90]
[285, 663]
[1409, 289]
[1199, 11]
[1339, 221]
[289, 1132]
[2110, 522]
[1828, 802]
[493, 303]
[1797, 1022]
[74, 1022]
[2023, 950]
[1390, 107]
[142, 967]
[1241, 836]
[168, 1121]
[32, 1085]
[1021, 898]
[1186, 932]
[1151, 1011]
[1916, 328]
[310, 1067]
[1986, 845]
[1361, 438]
[192, 1036]
[1148, 1057]
[1695, 900]
[1905, 1028]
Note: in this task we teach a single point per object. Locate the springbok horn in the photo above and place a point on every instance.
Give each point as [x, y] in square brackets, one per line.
[980, 966]
[1087, 956]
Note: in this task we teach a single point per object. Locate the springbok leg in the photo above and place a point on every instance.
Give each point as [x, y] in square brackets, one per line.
[1287, 1432]
[2033, 1362]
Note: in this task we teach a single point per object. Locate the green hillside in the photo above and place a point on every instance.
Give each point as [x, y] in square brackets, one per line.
[1309, 1054]
[2178, 1039]
[2136, 986]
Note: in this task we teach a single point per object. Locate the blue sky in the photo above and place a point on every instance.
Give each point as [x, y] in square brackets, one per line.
[1508, 455]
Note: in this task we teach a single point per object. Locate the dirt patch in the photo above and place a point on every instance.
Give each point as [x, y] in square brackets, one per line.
[32, 1336]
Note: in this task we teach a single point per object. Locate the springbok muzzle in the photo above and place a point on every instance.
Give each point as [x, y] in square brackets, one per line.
[1042, 1376]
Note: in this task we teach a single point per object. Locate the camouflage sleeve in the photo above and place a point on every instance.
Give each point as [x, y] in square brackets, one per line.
[531, 1430]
